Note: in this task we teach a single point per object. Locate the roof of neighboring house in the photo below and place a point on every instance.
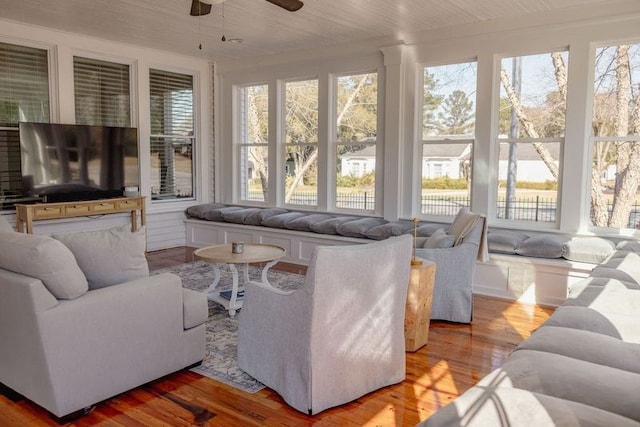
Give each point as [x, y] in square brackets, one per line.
[526, 151]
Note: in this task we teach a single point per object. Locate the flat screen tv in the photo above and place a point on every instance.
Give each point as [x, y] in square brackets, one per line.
[63, 162]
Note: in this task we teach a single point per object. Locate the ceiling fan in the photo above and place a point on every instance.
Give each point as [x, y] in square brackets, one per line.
[203, 7]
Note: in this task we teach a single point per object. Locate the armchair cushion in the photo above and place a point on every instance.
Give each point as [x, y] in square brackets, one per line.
[439, 240]
[4, 225]
[46, 259]
[195, 309]
[108, 257]
[463, 224]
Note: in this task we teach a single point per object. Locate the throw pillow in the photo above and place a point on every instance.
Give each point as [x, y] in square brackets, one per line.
[463, 224]
[304, 222]
[108, 257]
[198, 211]
[395, 228]
[588, 249]
[542, 246]
[330, 226]
[628, 245]
[359, 227]
[46, 259]
[439, 240]
[257, 217]
[505, 241]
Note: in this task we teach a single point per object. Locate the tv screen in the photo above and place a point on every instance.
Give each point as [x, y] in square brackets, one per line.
[62, 162]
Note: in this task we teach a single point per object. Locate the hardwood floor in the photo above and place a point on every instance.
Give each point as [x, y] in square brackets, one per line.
[455, 358]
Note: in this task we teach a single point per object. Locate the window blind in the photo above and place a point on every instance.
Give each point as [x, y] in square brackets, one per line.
[172, 136]
[24, 96]
[102, 94]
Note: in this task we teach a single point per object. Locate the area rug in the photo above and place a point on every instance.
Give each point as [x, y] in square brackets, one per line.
[220, 362]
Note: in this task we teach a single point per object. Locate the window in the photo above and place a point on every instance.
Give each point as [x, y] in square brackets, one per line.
[24, 96]
[356, 131]
[172, 136]
[301, 142]
[101, 93]
[253, 104]
[616, 137]
[530, 136]
[448, 132]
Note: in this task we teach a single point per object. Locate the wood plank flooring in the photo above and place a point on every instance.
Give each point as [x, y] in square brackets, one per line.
[455, 358]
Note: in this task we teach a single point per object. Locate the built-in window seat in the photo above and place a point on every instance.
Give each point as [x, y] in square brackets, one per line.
[532, 267]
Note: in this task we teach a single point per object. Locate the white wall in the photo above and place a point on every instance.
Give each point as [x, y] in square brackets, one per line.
[164, 219]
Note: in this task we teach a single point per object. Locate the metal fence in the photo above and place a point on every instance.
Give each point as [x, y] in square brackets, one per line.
[535, 209]
[353, 200]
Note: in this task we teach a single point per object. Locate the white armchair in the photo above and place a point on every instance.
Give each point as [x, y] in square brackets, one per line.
[452, 291]
[338, 337]
[66, 346]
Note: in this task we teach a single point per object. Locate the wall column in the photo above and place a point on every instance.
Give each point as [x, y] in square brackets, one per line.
[393, 129]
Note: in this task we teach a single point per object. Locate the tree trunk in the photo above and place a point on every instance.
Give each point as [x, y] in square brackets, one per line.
[300, 174]
[628, 153]
[528, 127]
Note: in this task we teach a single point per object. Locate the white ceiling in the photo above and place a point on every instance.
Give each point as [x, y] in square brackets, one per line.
[268, 29]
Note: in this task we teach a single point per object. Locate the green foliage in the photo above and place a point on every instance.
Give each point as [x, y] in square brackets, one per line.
[531, 185]
[350, 181]
[444, 183]
[431, 102]
[457, 117]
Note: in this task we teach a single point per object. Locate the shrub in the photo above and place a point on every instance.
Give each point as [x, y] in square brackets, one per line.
[444, 183]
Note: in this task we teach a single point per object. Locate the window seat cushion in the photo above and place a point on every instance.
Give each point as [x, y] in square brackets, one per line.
[591, 250]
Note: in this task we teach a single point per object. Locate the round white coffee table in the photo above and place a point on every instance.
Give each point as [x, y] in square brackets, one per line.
[221, 254]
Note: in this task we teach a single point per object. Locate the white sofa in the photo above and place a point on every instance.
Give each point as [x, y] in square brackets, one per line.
[70, 340]
[580, 368]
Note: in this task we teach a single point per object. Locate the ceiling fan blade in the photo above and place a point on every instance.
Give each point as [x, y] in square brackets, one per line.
[199, 8]
[290, 5]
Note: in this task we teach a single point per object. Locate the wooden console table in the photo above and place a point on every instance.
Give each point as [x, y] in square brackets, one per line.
[26, 214]
[418, 308]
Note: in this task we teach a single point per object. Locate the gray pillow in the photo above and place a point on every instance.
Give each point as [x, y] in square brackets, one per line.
[46, 259]
[588, 249]
[280, 221]
[505, 241]
[330, 226]
[359, 227]
[257, 217]
[216, 214]
[628, 245]
[542, 246]
[198, 211]
[439, 240]
[426, 230]
[108, 257]
[238, 216]
[396, 228]
[4, 224]
[304, 222]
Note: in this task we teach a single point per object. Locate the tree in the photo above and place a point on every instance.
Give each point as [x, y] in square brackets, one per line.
[457, 117]
[430, 103]
[616, 113]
